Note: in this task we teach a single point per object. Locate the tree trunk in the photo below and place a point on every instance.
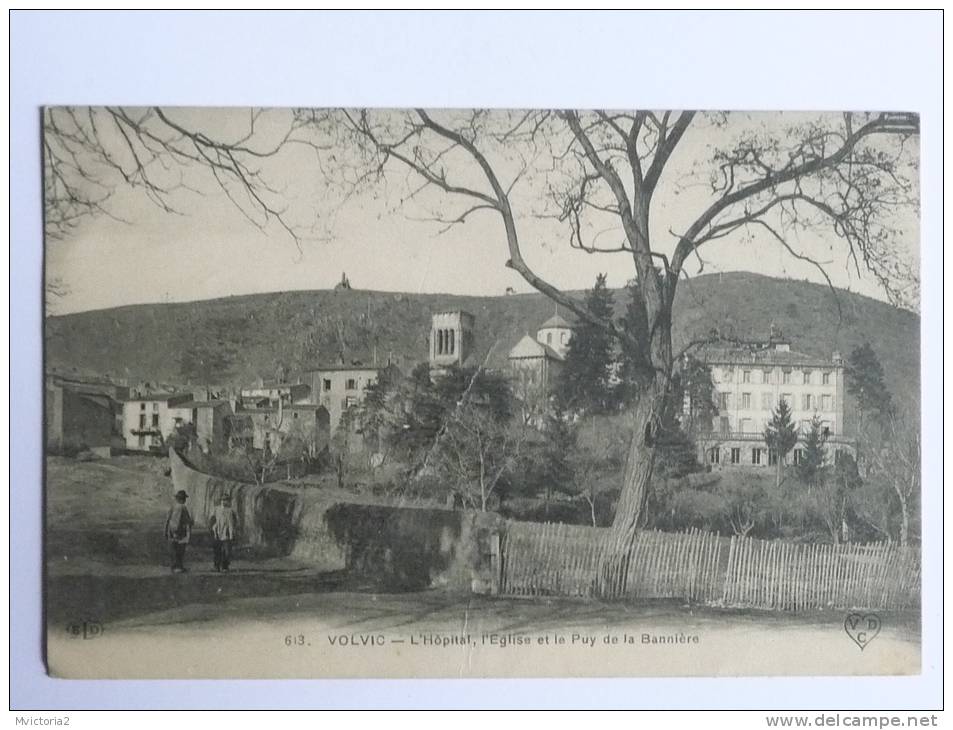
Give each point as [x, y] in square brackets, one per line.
[904, 522]
[629, 512]
[777, 474]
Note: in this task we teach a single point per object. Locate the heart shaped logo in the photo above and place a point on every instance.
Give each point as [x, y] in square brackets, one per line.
[862, 627]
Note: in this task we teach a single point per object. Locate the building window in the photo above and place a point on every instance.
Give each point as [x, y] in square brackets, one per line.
[807, 377]
[549, 338]
[724, 401]
[744, 425]
[142, 441]
[155, 407]
[806, 402]
[350, 401]
[766, 375]
[826, 378]
[785, 377]
[826, 430]
[351, 384]
[725, 425]
[155, 419]
[142, 421]
[825, 403]
[326, 384]
[772, 457]
[714, 456]
[745, 376]
[735, 455]
[562, 337]
[746, 400]
[715, 375]
[142, 406]
[294, 414]
[798, 456]
[786, 397]
[155, 441]
[767, 402]
[453, 343]
[756, 456]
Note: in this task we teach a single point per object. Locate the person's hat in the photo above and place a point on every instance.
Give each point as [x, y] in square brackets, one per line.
[181, 494]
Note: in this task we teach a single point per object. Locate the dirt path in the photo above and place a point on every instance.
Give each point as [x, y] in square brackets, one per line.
[434, 634]
[115, 610]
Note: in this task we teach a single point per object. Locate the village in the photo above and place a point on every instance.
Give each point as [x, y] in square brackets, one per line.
[96, 417]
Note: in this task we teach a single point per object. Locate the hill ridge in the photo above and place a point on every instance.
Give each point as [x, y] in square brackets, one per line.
[299, 327]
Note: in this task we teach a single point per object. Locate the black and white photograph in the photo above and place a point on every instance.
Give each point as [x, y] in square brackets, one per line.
[433, 392]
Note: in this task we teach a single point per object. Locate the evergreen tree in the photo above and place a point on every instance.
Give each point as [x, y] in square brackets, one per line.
[865, 381]
[636, 367]
[381, 413]
[811, 470]
[780, 435]
[695, 386]
[585, 380]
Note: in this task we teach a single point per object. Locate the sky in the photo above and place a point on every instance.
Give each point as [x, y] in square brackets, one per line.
[208, 249]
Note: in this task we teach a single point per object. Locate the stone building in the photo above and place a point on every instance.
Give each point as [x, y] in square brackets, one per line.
[78, 419]
[272, 391]
[148, 420]
[339, 387]
[266, 428]
[208, 418]
[451, 339]
[534, 364]
[749, 381]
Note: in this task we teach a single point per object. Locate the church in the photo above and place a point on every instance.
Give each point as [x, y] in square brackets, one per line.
[535, 363]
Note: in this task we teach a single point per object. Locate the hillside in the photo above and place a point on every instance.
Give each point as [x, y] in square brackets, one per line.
[302, 328]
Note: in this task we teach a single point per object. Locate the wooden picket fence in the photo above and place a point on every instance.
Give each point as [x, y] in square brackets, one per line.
[570, 560]
[786, 576]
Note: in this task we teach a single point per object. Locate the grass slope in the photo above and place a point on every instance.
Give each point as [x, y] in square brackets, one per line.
[302, 328]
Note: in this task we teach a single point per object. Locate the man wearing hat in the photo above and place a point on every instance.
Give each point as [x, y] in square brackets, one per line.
[178, 531]
[223, 525]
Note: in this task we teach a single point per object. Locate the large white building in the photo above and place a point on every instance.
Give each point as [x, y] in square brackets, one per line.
[148, 420]
[749, 383]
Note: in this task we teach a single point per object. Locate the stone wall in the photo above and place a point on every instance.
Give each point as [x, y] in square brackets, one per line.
[399, 548]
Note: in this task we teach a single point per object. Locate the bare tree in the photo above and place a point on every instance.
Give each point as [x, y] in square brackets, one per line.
[833, 174]
[477, 451]
[894, 456]
[601, 442]
[601, 170]
[88, 152]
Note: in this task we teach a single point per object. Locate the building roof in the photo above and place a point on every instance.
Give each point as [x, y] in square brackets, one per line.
[203, 404]
[334, 368]
[248, 410]
[527, 347]
[555, 322]
[166, 396]
[461, 312]
[763, 356]
[274, 385]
